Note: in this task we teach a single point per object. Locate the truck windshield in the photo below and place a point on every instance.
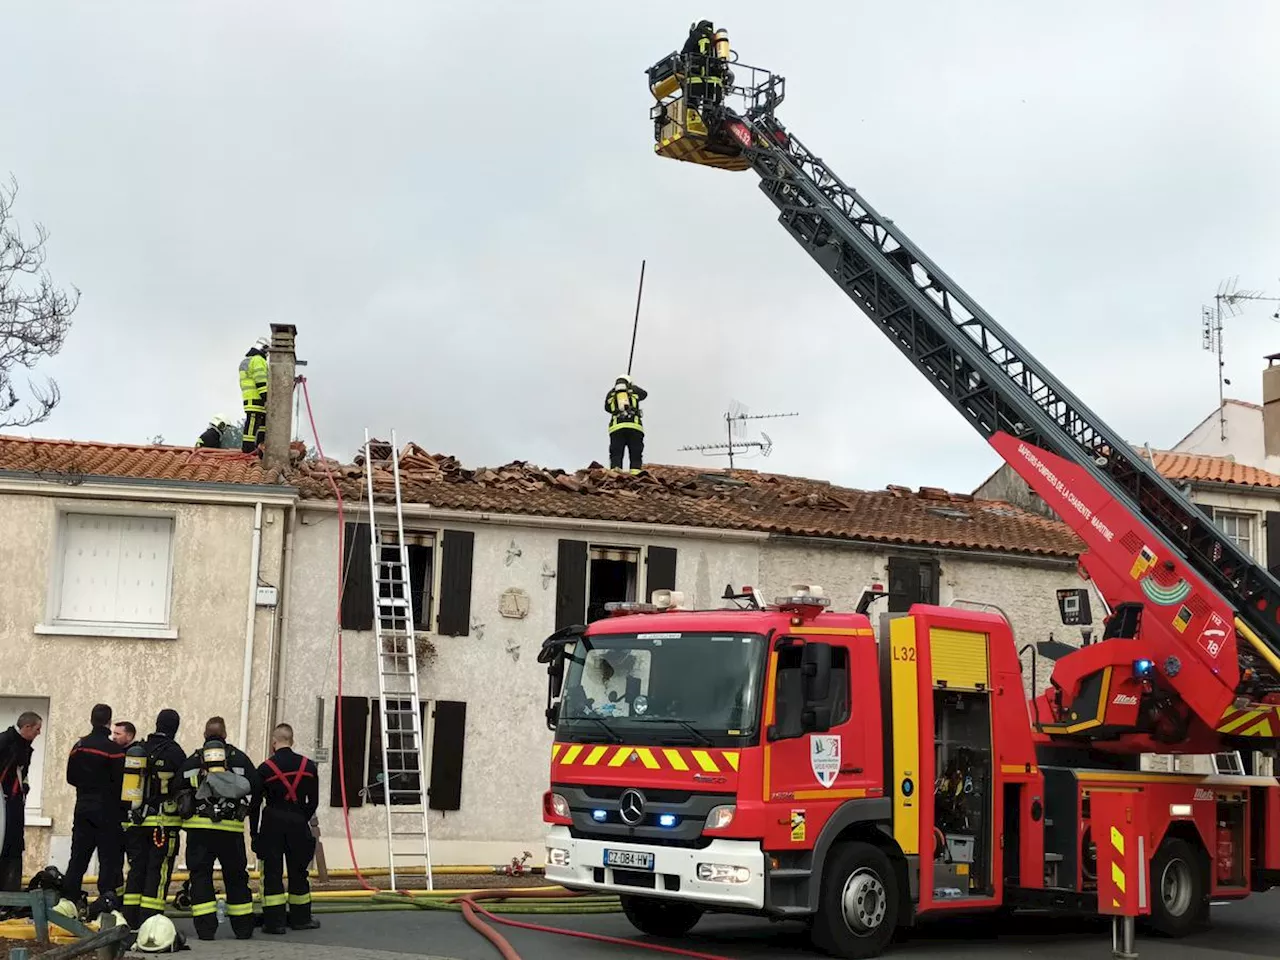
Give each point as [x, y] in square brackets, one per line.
[663, 687]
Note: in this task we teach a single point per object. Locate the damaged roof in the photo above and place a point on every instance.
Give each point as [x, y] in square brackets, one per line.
[688, 497]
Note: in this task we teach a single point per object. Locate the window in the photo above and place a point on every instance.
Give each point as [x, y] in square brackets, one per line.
[439, 578]
[1237, 526]
[443, 720]
[589, 576]
[113, 576]
[10, 709]
[911, 580]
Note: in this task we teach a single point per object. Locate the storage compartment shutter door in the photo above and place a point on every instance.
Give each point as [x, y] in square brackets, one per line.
[357, 579]
[571, 583]
[959, 659]
[447, 747]
[353, 739]
[661, 570]
[455, 583]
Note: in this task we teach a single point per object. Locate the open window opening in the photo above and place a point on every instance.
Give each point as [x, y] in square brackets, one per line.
[613, 576]
[421, 550]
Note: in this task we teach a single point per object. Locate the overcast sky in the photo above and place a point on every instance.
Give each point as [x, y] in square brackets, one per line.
[451, 202]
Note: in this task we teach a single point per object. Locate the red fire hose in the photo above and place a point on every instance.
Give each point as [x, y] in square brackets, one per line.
[472, 911]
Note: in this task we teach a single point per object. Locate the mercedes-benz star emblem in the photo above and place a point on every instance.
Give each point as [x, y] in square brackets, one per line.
[631, 807]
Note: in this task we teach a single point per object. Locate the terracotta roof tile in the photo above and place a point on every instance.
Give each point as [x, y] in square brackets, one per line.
[684, 496]
[73, 461]
[1193, 467]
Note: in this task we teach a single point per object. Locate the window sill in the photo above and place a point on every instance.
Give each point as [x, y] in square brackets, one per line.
[33, 818]
[118, 631]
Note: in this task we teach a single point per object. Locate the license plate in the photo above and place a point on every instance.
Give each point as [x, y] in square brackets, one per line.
[631, 859]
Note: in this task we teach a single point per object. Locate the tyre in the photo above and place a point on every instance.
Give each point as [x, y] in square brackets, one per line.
[858, 904]
[660, 918]
[1179, 889]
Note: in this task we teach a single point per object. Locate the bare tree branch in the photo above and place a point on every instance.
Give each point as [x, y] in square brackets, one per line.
[35, 317]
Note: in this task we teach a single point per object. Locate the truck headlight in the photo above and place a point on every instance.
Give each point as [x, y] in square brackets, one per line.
[557, 857]
[721, 817]
[722, 873]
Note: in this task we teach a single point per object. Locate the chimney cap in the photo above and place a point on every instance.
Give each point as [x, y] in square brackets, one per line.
[1272, 357]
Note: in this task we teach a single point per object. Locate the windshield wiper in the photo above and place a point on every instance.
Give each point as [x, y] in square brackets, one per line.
[613, 737]
[702, 737]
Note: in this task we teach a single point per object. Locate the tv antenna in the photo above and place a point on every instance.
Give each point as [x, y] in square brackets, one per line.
[1226, 303]
[735, 419]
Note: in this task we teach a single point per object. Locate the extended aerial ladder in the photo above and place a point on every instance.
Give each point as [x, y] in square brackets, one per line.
[1190, 659]
[403, 787]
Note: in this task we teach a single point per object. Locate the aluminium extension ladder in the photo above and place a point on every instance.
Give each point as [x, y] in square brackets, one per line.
[408, 844]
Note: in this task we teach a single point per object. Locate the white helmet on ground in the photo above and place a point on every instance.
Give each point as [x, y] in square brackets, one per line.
[158, 935]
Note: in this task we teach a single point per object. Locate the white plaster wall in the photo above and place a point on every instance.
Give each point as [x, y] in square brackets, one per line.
[493, 670]
[199, 674]
[1025, 591]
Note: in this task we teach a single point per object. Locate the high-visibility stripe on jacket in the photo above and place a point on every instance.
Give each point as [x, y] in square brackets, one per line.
[625, 416]
[254, 377]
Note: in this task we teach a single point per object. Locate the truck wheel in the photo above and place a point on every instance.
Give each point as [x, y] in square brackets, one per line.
[1179, 900]
[858, 905]
[661, 918]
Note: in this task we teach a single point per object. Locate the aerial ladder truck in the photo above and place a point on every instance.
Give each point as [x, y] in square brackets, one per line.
[770, 795]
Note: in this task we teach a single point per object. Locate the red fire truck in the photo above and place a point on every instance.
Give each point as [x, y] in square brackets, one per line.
[788, 761]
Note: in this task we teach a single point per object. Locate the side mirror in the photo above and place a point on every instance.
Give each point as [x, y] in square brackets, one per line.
[816, 718]
[815, 671]
[553, 715]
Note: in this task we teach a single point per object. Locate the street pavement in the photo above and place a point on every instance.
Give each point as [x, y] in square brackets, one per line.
[1244, 931]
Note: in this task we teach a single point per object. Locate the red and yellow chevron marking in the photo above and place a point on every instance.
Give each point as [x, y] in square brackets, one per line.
[651, 758]
[1256, 721]
[1117, 870]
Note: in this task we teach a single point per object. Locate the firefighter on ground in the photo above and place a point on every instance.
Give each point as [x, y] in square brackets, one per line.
[253, 394]
[290, 788]
[15, 760]
[95, 768]
[152, 823]
[211, 439]
[219, 784]
[626, 423]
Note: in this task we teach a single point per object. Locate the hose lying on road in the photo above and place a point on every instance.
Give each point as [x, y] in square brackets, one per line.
[477, 870]
[471, 911]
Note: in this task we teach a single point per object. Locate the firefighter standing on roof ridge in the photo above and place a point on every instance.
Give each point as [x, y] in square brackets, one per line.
[290, 787]
[218, 790]
[152, 827]
[95, 768]
[626, 423]
[254, 377]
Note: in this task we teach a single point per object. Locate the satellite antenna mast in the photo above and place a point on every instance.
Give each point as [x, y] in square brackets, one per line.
[1226, 303]
[734, 419]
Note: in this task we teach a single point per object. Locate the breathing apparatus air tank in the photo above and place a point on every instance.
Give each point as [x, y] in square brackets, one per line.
[213, 756]
[134, 789]
[720, 45]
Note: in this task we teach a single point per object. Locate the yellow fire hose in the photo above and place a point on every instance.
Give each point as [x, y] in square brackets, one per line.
[346, 874]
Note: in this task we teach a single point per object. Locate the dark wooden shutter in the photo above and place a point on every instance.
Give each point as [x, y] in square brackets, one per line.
[353, 738]
[1273, 540]
[445, 791]
[357, 590]
[455, 583]
[571, 583]
[661, 574]
[928, 582]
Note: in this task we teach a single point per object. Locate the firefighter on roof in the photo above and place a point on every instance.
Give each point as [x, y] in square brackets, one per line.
[290, 787]
[253, 394]
[219, 784]
[212, 436]
[95, 768]
[152, 825]
[626, 423]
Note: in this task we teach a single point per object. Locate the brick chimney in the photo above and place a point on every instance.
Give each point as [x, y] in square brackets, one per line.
[283, 363]
[1271, 407]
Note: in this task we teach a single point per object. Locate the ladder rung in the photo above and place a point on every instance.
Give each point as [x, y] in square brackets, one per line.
[407, 833]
